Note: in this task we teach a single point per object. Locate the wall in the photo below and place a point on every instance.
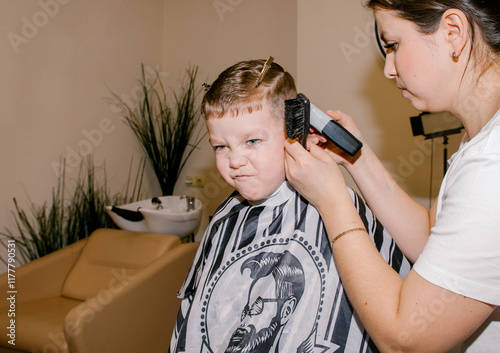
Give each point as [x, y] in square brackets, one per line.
[58, 60]
[61, 58]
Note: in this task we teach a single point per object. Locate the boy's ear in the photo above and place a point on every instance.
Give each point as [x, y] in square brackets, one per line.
[455, 27]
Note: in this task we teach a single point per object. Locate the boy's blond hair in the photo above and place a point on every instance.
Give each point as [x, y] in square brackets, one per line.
[234, 90]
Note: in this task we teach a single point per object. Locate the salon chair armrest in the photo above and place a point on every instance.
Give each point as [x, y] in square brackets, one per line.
[43, 277]
[134, 314]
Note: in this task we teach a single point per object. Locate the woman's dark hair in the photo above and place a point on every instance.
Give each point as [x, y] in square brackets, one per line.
[483, 15]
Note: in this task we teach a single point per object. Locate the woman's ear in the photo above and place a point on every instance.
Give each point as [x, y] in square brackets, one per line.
[455, 27]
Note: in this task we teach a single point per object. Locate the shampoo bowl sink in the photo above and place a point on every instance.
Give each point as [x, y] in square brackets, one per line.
[177, 215]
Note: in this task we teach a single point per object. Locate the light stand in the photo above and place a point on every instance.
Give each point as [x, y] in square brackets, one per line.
[432, 125]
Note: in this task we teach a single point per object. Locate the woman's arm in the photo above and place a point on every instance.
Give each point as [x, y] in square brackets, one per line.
[410, 315]
[407, 221]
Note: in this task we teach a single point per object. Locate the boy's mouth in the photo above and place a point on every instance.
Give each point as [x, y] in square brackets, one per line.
[241, 176]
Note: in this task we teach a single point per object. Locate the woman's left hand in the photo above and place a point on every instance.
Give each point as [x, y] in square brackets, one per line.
[314, 174]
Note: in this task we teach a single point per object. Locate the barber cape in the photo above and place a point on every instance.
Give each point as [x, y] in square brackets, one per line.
[264, 280]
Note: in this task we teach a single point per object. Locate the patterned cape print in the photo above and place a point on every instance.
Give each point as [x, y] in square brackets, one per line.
[264, 280]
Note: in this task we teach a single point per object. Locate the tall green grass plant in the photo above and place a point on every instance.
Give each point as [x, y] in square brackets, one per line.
[165, 129]
[43, 229]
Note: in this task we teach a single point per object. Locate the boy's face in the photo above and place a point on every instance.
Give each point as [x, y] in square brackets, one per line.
[249, 152]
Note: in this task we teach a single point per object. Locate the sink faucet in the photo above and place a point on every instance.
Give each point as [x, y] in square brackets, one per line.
[190, 202]
[156, 202]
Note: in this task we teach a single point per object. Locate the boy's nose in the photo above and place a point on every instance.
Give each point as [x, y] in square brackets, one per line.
[237, 160]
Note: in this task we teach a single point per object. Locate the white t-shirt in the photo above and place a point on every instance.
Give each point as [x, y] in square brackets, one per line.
[463, 250]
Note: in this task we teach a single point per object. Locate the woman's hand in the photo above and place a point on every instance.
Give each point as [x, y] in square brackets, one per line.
[337, 154]
[314, 174]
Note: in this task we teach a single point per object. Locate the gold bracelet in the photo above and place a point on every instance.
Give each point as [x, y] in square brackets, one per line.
[347, 232]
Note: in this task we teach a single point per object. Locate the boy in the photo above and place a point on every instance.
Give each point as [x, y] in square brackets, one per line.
[264, 279]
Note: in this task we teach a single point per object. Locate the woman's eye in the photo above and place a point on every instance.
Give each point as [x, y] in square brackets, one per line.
[253, 141]
[389, 48]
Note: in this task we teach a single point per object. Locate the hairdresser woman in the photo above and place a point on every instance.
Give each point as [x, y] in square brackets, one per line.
[444, 56]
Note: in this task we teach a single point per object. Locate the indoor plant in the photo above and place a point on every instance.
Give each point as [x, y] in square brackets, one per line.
[164, 131]
[52, 226]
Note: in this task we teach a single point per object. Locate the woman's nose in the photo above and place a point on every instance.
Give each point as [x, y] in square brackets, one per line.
[390, 67]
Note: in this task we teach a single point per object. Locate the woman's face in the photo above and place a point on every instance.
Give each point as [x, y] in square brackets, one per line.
[420, 63]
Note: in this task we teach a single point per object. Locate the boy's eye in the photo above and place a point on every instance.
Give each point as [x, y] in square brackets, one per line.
[389, 48]
[218, 148]
[253, 141]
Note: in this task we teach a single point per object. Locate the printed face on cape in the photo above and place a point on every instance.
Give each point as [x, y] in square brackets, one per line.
[277, 286]
[266, 312]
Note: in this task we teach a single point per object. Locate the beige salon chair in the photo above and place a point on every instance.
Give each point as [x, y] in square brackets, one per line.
[112, 292]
